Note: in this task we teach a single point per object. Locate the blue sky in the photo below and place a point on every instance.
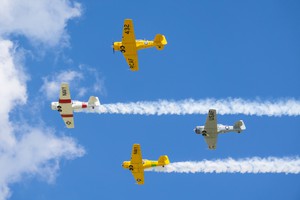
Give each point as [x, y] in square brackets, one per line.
[220, 50]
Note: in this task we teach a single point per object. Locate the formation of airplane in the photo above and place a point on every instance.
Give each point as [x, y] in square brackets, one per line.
[129, 45]
[211, 129]
[137, 164]
[65, 106]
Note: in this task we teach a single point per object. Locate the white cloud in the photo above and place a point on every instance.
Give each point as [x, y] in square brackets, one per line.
[41, 21]
[98, 85]
[12, 88]
[37, 152]
[52, 83]
[25, 150]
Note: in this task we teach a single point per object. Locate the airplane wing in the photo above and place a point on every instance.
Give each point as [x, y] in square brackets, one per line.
[128, 31]
[65, 102]
[132, 60]
[211, 129]
[211, 141]
[138, 176]
[128, 47]
[137, 163]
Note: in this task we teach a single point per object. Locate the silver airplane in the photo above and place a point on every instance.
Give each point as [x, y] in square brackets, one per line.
[211, 129]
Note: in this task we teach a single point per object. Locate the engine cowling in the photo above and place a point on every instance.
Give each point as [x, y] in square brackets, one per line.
[54, 105]
[199, 130]
[126, 164]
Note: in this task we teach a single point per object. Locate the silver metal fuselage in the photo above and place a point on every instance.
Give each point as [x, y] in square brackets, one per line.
[220, 127]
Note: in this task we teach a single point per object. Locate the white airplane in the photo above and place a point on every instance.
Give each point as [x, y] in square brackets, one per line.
[211, 129]
[66, 106]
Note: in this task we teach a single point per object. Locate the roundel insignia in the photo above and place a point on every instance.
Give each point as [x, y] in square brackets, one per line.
[138, 180]
[68, 122]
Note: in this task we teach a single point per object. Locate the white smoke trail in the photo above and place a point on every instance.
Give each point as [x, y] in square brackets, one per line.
[288, 107]
[255, 165]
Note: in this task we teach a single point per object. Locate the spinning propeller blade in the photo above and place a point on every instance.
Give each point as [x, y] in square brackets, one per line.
[113, 47]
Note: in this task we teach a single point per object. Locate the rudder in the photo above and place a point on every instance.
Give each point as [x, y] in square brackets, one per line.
[240, 125]
[163, 160]
[160, 41]
[93, 101]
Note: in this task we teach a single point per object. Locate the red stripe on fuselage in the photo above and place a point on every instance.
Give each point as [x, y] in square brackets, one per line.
[65, 101]
[67, 115]
[84, 105]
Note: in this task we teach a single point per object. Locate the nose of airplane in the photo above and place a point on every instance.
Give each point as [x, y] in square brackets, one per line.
[124, 165]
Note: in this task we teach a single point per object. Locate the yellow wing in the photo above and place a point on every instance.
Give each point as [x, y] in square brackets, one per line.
[128, 47]
[132, 61]
[137, 164]
[65, 103]
[128, 31]
[136, 154]
[138, 176]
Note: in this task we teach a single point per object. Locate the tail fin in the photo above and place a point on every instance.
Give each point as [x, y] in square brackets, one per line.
[160, 41]
[240, 125]
[163, 160]
[93, 102]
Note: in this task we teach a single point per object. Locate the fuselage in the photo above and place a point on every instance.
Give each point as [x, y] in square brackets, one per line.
[76, 105]
[220, 129]
[139, 44]
[145, 164]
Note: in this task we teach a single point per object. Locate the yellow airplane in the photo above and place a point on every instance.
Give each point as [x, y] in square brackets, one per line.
[137, 165]
[129, 45]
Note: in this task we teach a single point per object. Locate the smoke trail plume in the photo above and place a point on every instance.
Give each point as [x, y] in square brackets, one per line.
[289, 107]
[255, 165]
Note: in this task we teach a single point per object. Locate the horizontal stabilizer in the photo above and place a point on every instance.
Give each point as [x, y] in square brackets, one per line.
[93, 101]
[160, 41]
[163, 160]
[240, 125]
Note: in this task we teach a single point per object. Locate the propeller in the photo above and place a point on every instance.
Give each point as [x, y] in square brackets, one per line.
[113, 47]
